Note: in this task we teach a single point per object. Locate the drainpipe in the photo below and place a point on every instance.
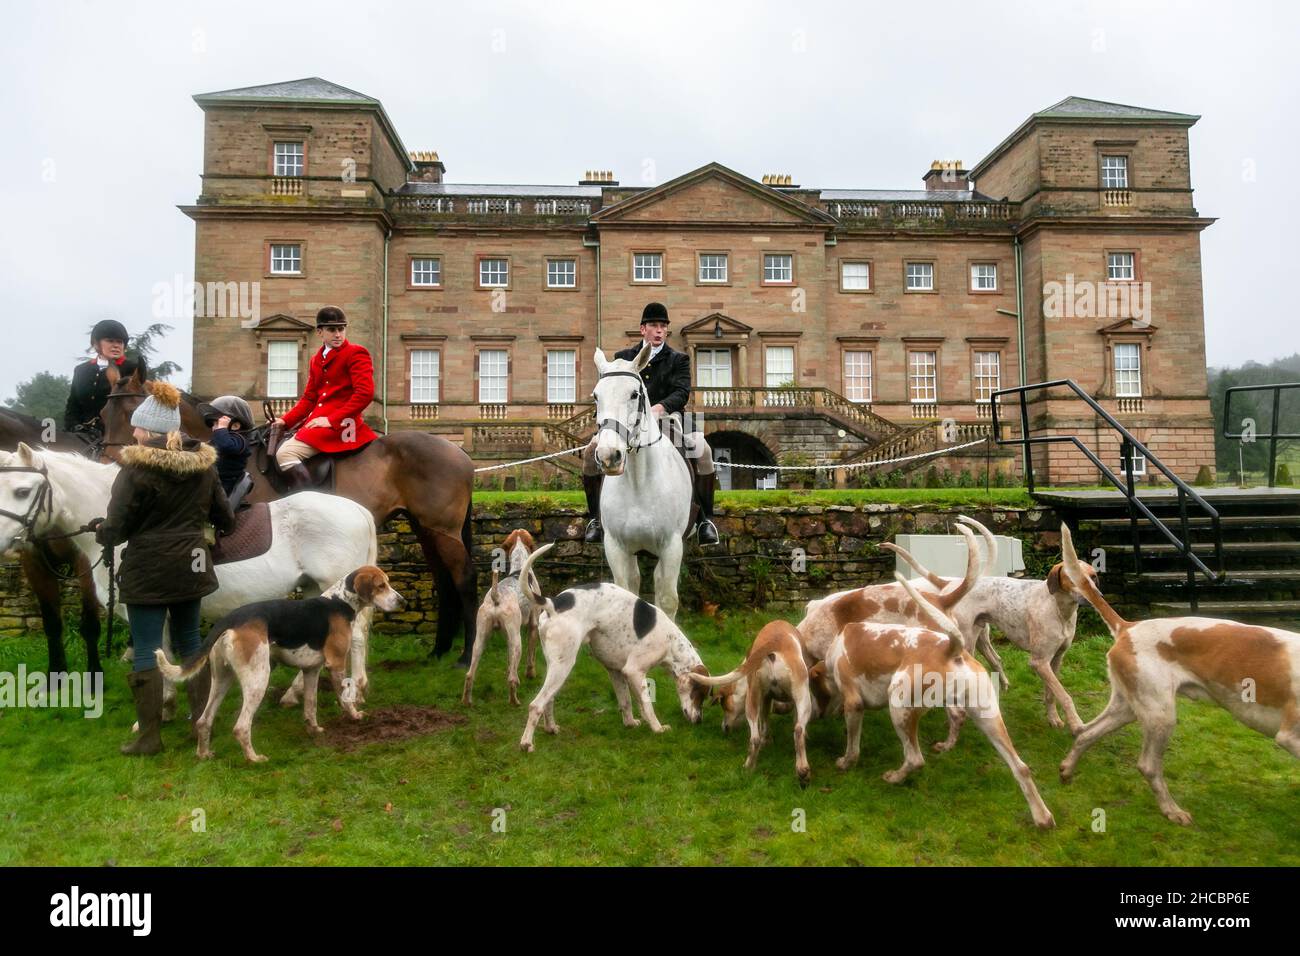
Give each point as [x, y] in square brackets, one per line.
[383, 374]
[595, 245]
[1020, 313]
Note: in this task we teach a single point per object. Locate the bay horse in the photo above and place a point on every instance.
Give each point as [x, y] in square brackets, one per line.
[46, 564]
[645, 502]
[424, 476]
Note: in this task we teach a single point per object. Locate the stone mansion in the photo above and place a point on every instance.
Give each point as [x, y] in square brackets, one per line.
[822, 324]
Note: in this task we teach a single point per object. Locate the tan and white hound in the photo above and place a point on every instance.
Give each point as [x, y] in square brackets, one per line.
[911, 669]
[506, 606]
[773, 670]
[1037, 616]
[1251, 672]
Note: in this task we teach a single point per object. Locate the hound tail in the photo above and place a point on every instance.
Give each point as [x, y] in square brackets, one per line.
[492, 591]
[1073, 570]
[975, 564]
[177, 672]
[528, 580]
[933, 617]
[721, 679]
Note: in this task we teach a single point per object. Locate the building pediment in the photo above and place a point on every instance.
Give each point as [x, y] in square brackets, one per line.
[716, 322]
[1127, 326]
[279, 322]
[712, 194]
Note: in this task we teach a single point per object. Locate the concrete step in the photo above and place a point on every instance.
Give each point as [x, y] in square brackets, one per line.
[1285, 612]
[1235, 576]
[1225, 522]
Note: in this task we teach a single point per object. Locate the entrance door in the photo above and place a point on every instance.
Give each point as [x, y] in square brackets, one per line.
[722, 461]
[713, 370]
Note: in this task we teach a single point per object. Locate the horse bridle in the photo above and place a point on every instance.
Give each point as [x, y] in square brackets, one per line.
[642, 408]
[43, 501]
[104, 442]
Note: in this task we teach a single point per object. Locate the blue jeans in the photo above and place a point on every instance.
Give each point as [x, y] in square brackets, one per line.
[147, 630]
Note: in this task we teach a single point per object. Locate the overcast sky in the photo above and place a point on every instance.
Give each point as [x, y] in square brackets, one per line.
[103, 140]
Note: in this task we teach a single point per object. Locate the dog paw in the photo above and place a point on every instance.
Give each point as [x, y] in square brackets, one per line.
[943, 746]
[357, 714]
[1047, 823]
[526, 746]
[1179, 816]
[1067, 773]
[258, 758]
[663, 728]
[1055, 721]
[288, 700]
[895, 776]
[845, 763]
[803, 776]
[552, 729]
[315, 729]
[1002, 679]
[631, 722]
[205, 754]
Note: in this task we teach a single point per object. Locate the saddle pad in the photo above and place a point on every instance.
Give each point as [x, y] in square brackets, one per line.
[250, 539]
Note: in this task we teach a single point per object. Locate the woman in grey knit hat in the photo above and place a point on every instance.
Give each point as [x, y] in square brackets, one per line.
[162, 500]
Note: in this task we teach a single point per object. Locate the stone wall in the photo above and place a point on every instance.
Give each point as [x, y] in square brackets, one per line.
[756, 564]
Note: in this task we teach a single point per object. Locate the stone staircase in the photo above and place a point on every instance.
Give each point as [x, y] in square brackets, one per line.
[1261, 556]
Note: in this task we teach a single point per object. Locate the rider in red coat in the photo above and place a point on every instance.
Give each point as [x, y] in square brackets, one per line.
[340, 384]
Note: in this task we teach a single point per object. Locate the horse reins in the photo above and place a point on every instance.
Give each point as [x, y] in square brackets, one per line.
[623, 431]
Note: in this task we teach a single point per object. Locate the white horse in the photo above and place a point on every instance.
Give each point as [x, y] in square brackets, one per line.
[645, 502]
[316, 539]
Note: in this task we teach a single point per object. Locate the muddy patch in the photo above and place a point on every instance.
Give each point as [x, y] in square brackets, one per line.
[389, 724]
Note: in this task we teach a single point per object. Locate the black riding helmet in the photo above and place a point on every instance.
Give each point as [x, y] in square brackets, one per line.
[108, 329]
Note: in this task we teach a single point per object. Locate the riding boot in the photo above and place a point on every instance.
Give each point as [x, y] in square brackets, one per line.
[591, 485]
[147, 689]
[197, 691]
[296, 478]
[706, 529]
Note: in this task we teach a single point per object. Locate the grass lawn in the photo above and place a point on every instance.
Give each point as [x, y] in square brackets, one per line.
[600, 793]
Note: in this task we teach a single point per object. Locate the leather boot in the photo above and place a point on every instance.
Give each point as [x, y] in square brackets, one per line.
[197, 691]
[296, 478]
[147, 689]
[706, 529]
[591, 485]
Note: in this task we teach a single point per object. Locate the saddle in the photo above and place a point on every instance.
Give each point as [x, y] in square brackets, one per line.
[266, 441]
[251, 537]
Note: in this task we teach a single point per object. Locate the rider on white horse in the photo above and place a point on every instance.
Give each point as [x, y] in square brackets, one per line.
[667, 379]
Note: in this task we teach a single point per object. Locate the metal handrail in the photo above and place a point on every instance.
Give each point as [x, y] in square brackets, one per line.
[1128, 445]
[1273, 437]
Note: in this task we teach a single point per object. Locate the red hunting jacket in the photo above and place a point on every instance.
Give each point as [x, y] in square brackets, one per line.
[339, 386]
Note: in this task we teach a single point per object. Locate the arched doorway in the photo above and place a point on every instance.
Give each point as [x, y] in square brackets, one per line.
[736, 447]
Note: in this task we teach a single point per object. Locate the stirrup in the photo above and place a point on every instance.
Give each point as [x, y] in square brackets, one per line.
[595, 533]
[710, 536]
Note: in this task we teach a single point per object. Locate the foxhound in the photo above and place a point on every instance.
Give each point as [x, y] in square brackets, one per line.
[773, 670]
[1251, 672]
[507, 606]
[824, 618]
[1037, 616]
[627, 635]
[911, 668]
[306, 634]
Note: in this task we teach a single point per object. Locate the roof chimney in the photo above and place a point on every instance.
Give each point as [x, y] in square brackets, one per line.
[779, 180]
[428, 167]
[598, 177]
[946, 175]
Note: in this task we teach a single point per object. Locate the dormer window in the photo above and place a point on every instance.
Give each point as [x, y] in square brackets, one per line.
[288, 159]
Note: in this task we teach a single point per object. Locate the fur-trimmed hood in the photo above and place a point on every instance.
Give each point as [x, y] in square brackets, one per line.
[190, 459]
